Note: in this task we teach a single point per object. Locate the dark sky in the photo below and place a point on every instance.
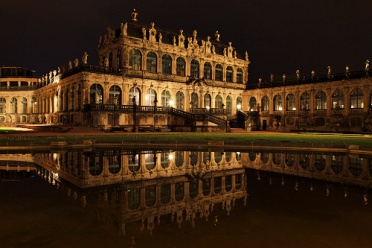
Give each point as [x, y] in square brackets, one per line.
[280, 36]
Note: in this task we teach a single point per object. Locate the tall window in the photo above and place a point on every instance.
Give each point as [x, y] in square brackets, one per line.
[218, 72]
[305, 101]
[229, 74]
[134, 93]
[2, 104]
[265, 103]
[118, 59]
[166, 64]
[239, 102]
[194, 69]
[278, 103]
[194, 100]
[180, 67]
[135, 60]
[337, 99]
[320, 100]
[207, 70]
[356, 99]
[151, 62]
[24, 105]
[180, 100]
[228, 105]
[33, 105]
[207, 101]
[115, 95]
[150, 97]
[291, 102]
[252, 104]
[239, 76]
[96, 94]
[218, 102]
[165, 97]
[13, 105]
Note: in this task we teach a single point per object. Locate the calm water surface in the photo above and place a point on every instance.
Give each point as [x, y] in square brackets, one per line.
[207, 204]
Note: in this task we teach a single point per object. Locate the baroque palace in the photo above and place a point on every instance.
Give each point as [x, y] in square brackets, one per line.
[150, 78]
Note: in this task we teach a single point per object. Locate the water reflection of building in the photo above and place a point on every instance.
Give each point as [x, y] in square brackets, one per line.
[342, 168]
[335, 167]
[16, 167]
[145, 185]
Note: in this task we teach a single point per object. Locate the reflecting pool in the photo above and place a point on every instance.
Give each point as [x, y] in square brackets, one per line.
[119, 197]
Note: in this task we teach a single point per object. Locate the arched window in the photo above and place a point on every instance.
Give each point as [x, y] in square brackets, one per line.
[228, 156]
[278, 103]
[151, 62]
[134, 198]
[356, 99]
[239, 76]
[305, 101]
[265, 103]
[179, 158]
[228, 105]
[166, 64]
[115, 95]
[229, 74]
[194, 72]
[164, 160]
[33, 105]
[150, 161]
[135, 60]
[337, 99]
[207, 70]
[96, 94]
[320, 100]
[218, 102]
[66, 101]
[114, 163]
[207, 101]
[165, 193]
[180, 67]
[165, 97]
[180, 100]
[150, 195]
[24, 105]
[291, 102]
[2, 105]
[150, 97]
[13, 105]
[218, 157]
[252, 104]
[194, 100]
[134, 93]
[72, 98]
[118, 59]
[218, 73]
[239, 103]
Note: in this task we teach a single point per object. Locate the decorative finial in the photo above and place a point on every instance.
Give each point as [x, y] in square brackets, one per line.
[134, 15]
[217, 36]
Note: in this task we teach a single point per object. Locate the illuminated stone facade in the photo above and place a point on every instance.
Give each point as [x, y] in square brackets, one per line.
[149, 78]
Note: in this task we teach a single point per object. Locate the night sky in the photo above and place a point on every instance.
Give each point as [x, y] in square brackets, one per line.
[280, 36]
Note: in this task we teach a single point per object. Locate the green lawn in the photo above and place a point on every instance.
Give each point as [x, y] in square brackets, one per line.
[171, 139]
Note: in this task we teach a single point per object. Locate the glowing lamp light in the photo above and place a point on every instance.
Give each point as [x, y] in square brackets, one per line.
[170, 156]
[239, 106]
[280, 108]
[171, 103]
